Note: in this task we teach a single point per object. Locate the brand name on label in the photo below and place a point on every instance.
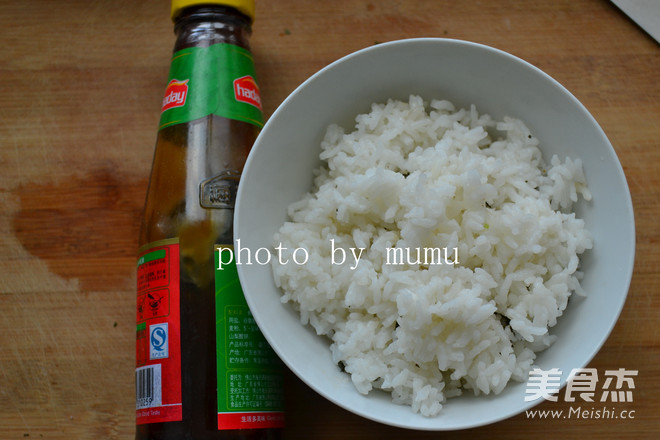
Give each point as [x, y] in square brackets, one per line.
[247, 91]
[175, 94]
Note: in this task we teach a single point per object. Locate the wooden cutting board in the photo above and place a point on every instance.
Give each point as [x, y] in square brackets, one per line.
[80, 90]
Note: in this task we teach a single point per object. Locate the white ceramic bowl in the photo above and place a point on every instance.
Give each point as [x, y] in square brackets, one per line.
[279, 171]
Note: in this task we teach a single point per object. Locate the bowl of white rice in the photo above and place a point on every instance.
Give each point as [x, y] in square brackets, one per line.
[434, 234]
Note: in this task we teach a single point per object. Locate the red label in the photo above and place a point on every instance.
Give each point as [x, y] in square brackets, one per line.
[158, 342]
[247, 91]
[175, 94]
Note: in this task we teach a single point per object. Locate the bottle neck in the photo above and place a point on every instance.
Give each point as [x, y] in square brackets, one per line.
[203, 26]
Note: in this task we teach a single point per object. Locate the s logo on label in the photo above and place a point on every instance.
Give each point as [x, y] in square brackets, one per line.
[158, 346]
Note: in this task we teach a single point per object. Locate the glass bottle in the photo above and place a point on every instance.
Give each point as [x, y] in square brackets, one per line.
[193, 325]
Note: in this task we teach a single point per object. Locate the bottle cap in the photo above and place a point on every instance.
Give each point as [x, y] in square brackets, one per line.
[244, 6]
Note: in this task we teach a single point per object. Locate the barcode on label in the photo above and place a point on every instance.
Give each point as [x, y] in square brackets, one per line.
[148, 387]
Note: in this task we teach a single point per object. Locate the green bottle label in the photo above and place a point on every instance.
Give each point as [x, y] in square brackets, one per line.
[219, 80]
[250, 375]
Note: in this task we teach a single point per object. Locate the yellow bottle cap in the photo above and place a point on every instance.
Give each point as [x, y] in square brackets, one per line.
[244, 6]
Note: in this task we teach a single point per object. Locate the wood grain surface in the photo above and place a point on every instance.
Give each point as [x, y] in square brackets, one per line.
[80, 89]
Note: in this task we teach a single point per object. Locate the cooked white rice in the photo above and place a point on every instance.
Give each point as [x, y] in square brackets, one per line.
[425, 175]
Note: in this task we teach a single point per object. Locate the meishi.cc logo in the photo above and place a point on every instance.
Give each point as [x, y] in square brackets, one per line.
[158, 344]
